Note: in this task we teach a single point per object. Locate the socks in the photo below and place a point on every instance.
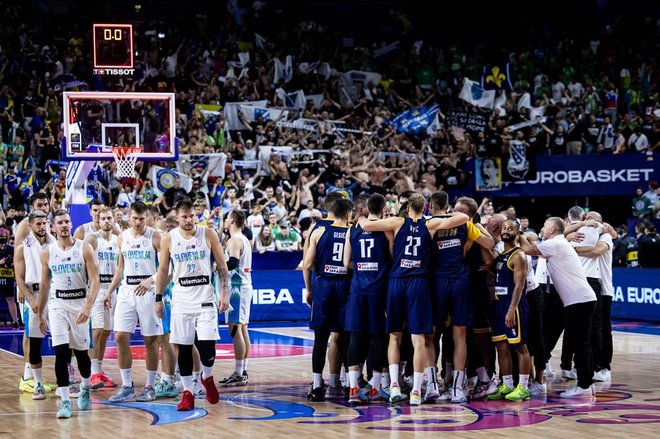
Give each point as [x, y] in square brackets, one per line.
[167, 379]
[187, 383]
[126, 377]
[417, 381]
[100, 366]
[317, 379]
[508, 380]
[151, 377]
[27, 372]
[238, 366]
[85, 382]
[459, 379]
[483, 374]
[37, 376]
[245, 362]
[334, 379]
[64, 393]
[394, 374]
[524, 380]
[431, 375]
[95, 366]
[353, 376]
[385, 380]
[195, 375]
[376, 379]
[207, 371]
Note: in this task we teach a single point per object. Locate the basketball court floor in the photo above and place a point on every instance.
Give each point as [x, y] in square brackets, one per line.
[274, 404]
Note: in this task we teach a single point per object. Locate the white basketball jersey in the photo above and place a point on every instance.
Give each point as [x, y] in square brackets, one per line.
[139, 257]
[87, 227]
[242, 274]
[68, 283]
[191, 260]
[32, 255]
[107, 253]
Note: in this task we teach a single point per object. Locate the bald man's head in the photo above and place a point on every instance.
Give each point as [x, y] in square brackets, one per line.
[594, 216]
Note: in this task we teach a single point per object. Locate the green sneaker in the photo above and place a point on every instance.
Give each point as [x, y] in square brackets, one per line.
[165, 390]
[502, 391]
[519, 394]
[65, 411]
[84, 400]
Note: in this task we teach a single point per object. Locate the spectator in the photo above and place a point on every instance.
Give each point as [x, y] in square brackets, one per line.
[127, 195]
[264, 241]
[286, 240]
[641, 206]
[173, 194]
[625, 246]
[649, 248]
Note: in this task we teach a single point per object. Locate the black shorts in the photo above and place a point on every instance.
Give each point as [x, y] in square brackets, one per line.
[7, 287]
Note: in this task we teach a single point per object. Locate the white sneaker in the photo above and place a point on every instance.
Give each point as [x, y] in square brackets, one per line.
[431, 394]
[458, 395]
[548, 373]
[603, 375]
[537, 389]
[198, 388]
[569, 374]
[578, 392]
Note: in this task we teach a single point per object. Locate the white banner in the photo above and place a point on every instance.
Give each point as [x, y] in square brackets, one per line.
[474, 94]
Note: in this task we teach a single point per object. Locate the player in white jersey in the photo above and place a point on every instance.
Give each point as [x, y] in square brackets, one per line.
[38, 202]
[136, 271]
[240, 267]
[194, 307]
[84, 230]
[104, 243]
[27, 266]
[66, 265]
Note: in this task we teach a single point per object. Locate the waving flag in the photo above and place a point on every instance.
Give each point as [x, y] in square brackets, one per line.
[415, 120]
[163, 179]
[496, 77]
[474, 94]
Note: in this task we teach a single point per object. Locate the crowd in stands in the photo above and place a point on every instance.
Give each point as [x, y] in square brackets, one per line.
[588, 96]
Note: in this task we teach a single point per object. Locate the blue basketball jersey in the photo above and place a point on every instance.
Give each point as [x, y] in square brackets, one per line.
[371, 259]
[330, 253]
[504, 280]
[412, 249]
[448, 250]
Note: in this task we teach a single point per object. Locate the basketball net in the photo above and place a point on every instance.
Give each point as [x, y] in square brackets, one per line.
[126, 158]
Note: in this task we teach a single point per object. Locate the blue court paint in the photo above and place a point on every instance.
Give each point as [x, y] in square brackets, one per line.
[163, 413]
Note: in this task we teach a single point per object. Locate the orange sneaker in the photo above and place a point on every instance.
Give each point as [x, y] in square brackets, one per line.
[107, 382]
[187, 402]
[212, 395]
[97, 381]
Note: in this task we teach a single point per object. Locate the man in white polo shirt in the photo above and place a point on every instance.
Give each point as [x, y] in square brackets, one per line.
[577, 296]
[601, 252]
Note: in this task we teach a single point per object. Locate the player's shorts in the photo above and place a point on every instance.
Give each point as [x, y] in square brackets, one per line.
[185, 326]
[102, 318]
[480, 302]
[518, 333]
[329, 304]
[451, 296]
[30, 319]
[64, 329]
[365, 311]
[240, 299]
[131, 308]
[409, 301]
[7, 287]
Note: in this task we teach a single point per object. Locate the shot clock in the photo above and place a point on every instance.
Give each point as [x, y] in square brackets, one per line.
[113, 49]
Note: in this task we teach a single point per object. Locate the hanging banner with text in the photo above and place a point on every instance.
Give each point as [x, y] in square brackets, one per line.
[585, 175]
[468, 120]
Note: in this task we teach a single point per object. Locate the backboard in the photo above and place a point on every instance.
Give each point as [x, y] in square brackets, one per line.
[94, 122]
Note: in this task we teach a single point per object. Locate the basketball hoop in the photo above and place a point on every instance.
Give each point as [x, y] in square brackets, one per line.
[126, 158]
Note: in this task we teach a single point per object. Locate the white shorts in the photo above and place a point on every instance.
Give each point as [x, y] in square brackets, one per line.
[102, 318]
[185, 326]
[131, 308]
[63, 329]
[31, 320]
[240, 299]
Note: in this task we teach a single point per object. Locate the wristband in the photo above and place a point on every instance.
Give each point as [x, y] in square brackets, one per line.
[159, 297]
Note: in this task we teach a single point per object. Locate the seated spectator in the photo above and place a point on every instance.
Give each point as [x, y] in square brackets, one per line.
[127, 195]
[287, 240]
[264, 241]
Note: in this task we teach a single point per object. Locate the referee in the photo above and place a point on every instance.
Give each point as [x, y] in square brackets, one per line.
[577, 296]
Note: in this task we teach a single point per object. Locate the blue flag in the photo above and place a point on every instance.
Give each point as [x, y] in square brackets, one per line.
[414, 121]
[496, 77]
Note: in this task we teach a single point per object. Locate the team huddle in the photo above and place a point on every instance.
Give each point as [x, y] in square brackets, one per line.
[172, 276]
[385, 291]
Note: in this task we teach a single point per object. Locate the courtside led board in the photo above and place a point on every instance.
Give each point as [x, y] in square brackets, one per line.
[94, 122]
[113, 49]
